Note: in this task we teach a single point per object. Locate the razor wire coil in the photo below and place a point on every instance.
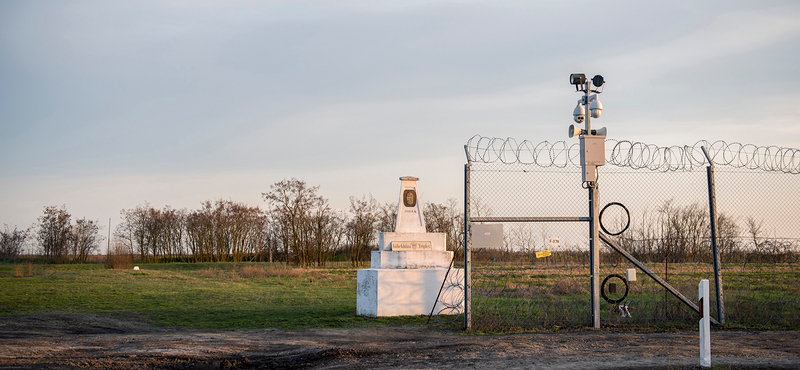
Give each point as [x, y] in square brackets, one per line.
[636, 155]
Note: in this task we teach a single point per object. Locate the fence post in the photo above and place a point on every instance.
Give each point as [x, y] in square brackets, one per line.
[712, 210]
[594, 251]
[467, 250]
[705, 325]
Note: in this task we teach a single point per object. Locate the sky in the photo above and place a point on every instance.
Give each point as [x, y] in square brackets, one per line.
[105, 105]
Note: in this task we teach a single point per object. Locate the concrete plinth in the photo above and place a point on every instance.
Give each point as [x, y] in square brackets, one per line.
[402, 292]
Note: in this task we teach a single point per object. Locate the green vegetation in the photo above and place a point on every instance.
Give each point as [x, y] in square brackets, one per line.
[509, 296]
[197, 295]
[505, 298]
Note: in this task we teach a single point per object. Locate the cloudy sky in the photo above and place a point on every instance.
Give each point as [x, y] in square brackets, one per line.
[107, 104]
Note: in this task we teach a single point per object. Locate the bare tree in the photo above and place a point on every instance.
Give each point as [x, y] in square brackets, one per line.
[683, 229]
[11, 242]
[292, 205]
[327, 231]
[225, 231]
[132, 230]
[387, 217]
[365, 216]
[727, 234]
[54, 231]
[445, 218]
[754, 230]
[84, 239]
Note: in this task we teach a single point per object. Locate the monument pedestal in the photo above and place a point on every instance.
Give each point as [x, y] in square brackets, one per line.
[409, 268]
[396, 292]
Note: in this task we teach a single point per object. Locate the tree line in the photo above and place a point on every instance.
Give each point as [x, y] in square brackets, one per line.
[57, 235]
[673, 232]
[297, 226]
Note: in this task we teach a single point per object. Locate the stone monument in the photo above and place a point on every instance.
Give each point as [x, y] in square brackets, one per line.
[409, 267]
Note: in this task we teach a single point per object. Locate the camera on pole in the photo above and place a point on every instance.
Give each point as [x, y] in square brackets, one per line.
[592, 142]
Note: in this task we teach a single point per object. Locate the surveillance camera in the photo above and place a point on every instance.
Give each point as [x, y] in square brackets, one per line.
[578, 114]
[596, 108]
[577, 79]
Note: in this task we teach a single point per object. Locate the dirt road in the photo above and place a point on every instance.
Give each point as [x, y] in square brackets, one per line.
[83, 341]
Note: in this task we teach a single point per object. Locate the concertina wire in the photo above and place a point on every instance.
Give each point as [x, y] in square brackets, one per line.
[636, 155]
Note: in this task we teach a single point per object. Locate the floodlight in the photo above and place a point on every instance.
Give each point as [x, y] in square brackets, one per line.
[577, 79]
[578, 114]
[598, 80]
[596, 107]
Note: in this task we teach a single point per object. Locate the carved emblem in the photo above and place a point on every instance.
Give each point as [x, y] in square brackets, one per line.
[410, 198]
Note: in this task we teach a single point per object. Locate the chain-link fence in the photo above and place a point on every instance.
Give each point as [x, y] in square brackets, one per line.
[666, 207]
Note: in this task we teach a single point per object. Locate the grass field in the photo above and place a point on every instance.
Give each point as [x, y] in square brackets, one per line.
[505, 297]
[196, 295]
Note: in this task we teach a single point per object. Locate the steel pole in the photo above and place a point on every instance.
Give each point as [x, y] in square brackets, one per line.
[594, 227]
[712, 210]
[594, 251]
[467, 253]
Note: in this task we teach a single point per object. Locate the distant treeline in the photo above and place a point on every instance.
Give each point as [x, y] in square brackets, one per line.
[298, 226]
[56, 236]
[669, 232]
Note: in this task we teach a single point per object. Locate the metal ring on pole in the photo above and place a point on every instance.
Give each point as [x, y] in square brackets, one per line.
[603, 289]
[627, 213]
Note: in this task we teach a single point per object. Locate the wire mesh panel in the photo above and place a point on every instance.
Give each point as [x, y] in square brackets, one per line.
[660, 198]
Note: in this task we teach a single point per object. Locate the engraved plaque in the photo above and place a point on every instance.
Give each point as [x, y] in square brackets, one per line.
[412, 246]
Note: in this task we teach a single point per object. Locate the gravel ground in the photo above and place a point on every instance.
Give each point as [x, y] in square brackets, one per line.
[88, 341]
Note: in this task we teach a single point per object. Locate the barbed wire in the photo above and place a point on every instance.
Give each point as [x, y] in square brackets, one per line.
[636, 155]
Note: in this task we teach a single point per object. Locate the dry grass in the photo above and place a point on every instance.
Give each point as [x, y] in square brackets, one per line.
[209, 272]
[239, 272]
[119, 258]
[567, 286]
[25, 270]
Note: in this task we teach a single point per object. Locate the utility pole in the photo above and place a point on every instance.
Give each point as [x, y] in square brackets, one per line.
[592, 145]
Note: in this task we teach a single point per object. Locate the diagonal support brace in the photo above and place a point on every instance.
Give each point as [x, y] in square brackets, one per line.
[652, 275]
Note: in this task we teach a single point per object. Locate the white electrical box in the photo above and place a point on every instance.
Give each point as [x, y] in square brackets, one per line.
[593, 150]
[630, 274]
[593, 154]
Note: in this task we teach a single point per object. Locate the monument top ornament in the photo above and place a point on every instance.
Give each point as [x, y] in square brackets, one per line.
[409, 209]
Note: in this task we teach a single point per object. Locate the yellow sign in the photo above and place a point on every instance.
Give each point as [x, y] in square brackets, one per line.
[544, 253]
[411, 246]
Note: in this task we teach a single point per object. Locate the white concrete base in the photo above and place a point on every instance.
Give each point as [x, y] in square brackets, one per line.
[403, 292]
[411, 259]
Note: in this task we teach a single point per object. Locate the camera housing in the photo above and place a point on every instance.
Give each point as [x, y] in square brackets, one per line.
[579, 114]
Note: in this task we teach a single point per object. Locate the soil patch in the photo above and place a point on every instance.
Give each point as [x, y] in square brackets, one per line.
[91, 341]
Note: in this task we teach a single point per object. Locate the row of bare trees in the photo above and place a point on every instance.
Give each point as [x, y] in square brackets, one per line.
[675, 232]
[57, 236]
[683, 233]
[12, 242]
[219, 231]
[298, 226]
